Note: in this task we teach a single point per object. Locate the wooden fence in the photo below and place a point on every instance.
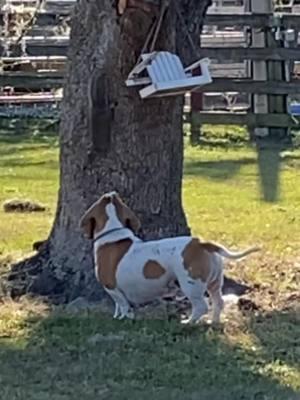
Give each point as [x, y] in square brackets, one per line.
[35, 63]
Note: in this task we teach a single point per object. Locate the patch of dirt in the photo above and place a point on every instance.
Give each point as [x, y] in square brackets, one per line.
[247, 305]
[17, 205]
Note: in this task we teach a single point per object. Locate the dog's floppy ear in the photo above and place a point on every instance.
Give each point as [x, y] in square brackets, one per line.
[131, 221]
[87, 223]
[95, 218]
[126, 216]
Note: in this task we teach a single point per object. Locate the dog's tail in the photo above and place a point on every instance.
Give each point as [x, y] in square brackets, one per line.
[233, 255]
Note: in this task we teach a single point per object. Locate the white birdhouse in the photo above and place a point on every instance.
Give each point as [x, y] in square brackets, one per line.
[162, 74]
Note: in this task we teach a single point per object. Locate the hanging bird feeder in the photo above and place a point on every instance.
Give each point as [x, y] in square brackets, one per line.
[161, 72]
[166, 76]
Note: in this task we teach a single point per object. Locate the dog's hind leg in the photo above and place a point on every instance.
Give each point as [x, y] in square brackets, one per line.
[194, 290]
[217, 305]
[215, 292]
[122, 306]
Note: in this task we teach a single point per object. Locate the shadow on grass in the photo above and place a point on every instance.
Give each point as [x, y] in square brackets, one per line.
[19, 162]
[27, 126]
[278, 333]
[88, 356]
[18, 141]
[269, 165]
[218, 169]
[269, 161]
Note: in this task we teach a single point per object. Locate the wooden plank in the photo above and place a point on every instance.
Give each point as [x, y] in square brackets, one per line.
[51, 47]
[48, 6]
[248, 19]
[35, 80]
[44, 80]
[235, 10]
[45, 18]
[33, 64]
[52, 13]
[49, 79]
[237, 54]
[223, 39]
[30, 3]
[254, 87]
[33, 59]
[232, 70]
[252, 120]
[31, 98]
[253, 20]
[44, 62]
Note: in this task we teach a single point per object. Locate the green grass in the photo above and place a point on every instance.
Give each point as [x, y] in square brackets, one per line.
[226, 195]
[28, 169]
[55, 355]
[231, 194]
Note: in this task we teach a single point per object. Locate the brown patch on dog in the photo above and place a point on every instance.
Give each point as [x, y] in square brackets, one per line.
[108, 258]
[125, 215]
[153, 270]
[211, 247]
[196, 260]
[95, 217]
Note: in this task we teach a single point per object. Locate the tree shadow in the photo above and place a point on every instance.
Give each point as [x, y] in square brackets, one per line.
[278, 333]
[269, 162]
[91, 356]
[217, 170]
[16, 148]
[19, 162]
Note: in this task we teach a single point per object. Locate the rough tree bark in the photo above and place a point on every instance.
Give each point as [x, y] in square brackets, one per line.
[112, 140]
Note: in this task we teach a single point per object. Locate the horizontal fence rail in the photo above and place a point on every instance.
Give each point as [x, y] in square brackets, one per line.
[242, 118]
[252, 20]
[59, 47]
[55, 80]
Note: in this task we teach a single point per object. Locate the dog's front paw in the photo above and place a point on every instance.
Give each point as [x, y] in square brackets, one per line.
[128, 313]
[117, 311]
[188, 321]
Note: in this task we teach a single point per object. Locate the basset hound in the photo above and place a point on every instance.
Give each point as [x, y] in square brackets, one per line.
[134, 272]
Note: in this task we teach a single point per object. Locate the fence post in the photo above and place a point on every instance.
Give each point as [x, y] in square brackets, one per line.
[196, 105]
[260, 102]
[277, 103]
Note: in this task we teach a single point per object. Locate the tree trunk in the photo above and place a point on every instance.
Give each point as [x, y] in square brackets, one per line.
[110, 139]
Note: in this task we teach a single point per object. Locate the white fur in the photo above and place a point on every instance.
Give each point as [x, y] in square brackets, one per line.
[111, 224]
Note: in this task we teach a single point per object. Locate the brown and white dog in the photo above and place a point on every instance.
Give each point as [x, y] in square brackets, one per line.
[135, 272]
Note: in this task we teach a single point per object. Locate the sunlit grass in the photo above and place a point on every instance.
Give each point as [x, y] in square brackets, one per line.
[28, 170]
[224, 197]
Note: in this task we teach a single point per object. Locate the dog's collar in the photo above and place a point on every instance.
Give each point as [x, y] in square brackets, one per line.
[102, 235]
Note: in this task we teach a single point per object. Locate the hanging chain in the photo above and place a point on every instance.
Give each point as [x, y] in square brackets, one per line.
[154, 31]
[163, 9]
